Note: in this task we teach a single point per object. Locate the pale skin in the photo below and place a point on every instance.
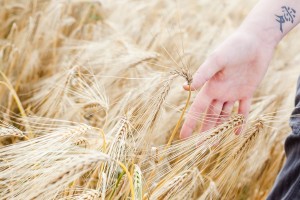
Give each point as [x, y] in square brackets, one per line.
[235, 69]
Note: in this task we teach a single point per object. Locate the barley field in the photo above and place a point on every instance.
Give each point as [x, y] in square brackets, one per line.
[92, 103]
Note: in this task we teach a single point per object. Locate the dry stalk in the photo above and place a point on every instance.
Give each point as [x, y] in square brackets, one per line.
[186, 188]
[164, 189]
[137, 182]
[8, 84]
[179, 120]
[37, 42]
[185, 74]
[183, 182]
[132, 191]
[11, 131]
[217, 135]
[89, 195]
[82, 195]
[78, 169]
[91, 112]
[250, 138]
[233, 123]
[81, 141]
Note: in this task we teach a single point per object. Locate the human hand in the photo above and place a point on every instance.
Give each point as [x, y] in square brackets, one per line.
[230, 74]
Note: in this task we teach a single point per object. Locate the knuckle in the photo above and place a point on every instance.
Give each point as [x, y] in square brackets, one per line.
[216, 60]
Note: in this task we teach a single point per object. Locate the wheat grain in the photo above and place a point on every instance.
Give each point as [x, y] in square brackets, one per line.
[89, 62]
[11, 132]
[250, 138]
[137, 181]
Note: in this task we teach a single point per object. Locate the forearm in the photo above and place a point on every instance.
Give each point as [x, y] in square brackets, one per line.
[271, 20]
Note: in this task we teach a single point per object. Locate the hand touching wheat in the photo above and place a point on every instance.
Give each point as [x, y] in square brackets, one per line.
[230, 74]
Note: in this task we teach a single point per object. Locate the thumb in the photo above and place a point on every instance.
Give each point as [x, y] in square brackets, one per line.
[205, 72]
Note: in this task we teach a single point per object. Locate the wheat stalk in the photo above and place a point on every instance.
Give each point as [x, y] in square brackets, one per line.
[11, 131]
[89, 62]
[258, 126]
[138, 184]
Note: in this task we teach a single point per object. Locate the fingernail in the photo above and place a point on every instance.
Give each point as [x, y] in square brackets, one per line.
[186, 87]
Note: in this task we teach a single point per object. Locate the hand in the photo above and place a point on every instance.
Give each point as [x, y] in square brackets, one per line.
[230, 74]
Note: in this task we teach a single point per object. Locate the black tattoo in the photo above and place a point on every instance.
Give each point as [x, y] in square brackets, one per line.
[288, 15]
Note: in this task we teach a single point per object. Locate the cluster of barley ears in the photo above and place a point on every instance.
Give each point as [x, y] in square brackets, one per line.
[92, 104]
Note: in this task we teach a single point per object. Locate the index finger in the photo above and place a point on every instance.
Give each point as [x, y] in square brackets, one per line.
[199, 106]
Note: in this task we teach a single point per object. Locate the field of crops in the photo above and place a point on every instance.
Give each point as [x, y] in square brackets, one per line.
[92, 102]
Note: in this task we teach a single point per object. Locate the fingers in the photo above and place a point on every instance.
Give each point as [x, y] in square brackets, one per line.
[212, 115]
[197, 109]
[244, 108]
[212, 112]
[226, 111]
[206, 71]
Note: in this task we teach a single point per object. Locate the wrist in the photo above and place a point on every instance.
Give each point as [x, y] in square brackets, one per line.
[266, 36]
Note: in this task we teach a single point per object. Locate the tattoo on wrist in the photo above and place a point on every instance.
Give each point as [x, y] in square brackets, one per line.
[288, 15]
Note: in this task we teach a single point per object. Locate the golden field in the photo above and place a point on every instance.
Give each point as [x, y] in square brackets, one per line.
[91, 97]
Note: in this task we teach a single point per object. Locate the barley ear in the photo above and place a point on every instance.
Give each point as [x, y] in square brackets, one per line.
[137, 182]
